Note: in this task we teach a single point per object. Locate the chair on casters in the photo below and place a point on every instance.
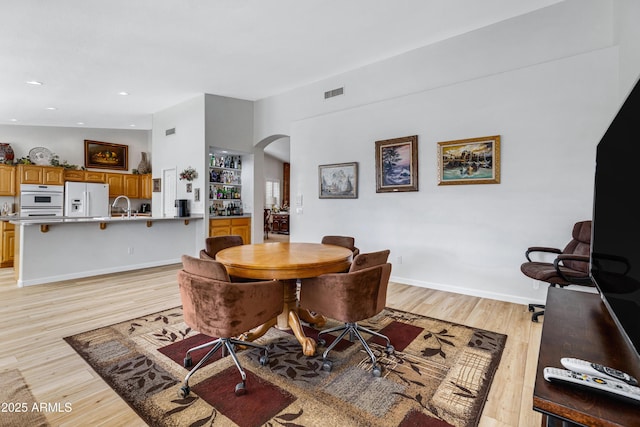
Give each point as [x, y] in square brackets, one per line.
[216, 307]
[215, 244]
[570, 267]
[349, 297]
[344, 241]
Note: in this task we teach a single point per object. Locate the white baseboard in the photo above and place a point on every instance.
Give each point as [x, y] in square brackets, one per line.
[96, 272]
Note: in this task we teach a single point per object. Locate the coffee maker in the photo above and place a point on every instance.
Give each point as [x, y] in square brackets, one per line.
[182, 206]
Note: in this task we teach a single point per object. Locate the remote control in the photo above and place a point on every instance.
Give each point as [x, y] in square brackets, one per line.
[584, 367]
[615, 388]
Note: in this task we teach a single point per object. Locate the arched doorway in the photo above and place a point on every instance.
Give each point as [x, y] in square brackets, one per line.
[271, 188]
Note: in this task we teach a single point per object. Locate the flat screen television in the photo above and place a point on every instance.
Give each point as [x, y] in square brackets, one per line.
[615, 240]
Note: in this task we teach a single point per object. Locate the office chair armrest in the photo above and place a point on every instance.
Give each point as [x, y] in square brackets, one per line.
[541, 249]
[580, 280]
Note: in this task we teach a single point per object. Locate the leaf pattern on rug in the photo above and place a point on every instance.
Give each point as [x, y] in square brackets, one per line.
[164, 318]
[486, 340]
[141, 372]
[285, 359]
[285, 420]
[167, 336]
[441, 341]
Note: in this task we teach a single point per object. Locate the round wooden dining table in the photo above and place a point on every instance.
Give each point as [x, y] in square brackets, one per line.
[287, 262]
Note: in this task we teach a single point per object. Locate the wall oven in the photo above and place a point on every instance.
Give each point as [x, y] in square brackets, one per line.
[41, 200]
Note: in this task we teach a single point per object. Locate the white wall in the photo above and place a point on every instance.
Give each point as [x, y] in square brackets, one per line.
[68, 143]
[547, 82]
[184, 148]
[466, 238]
[627, 13]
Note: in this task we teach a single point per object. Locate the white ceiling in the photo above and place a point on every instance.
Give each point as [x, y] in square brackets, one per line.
[163, 52]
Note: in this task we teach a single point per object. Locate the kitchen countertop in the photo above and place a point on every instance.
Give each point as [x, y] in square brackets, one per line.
[74, 219]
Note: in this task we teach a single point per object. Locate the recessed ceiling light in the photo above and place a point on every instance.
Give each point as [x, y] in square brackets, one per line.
[132, 125]
[123, 93]
[80, 123]
[51, 108]
[34, 82]
[13, 120]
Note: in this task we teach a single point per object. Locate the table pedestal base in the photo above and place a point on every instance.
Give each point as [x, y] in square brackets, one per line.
[290, 319]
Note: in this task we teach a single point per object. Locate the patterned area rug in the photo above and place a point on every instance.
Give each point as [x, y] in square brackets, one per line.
[439, 375]
[19, 408]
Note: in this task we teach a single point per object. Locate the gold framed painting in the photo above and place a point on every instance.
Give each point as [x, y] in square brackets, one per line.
[104, 155]
[469, 161]
[397, 164]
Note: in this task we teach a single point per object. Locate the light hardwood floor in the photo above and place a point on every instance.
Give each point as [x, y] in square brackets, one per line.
[36, 319]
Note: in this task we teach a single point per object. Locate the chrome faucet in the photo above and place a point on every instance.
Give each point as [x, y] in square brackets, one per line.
[115, 202]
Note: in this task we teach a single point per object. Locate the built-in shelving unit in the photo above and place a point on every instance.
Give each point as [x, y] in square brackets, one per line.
[225, 185]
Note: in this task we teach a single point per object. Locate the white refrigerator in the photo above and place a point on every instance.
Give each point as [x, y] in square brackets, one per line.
[86, 199]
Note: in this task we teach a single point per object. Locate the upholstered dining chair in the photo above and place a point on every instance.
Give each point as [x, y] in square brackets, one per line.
[344, 241]
[216, 307]
[570, 266]
[369, 259]
[349, 297]
[215, 244]
[267, 225]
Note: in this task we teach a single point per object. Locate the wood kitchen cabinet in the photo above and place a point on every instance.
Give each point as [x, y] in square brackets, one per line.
[131, 186]
[280, 223]
[34, 174]
[7, 180]
[228, 226]
[84, 176]
[116, 184]
[146, 186]
[7, 247]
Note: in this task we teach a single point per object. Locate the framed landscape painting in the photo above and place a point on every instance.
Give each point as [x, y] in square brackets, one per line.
[469, 161]
[338, 181]
[397, 164]
[104, 155]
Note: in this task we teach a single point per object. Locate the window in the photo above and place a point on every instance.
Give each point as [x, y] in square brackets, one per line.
[272, 194]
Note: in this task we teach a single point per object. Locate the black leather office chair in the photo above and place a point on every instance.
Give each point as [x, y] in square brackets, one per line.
[570, 267]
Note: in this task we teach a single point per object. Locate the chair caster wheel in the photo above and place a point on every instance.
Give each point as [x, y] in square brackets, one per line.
[376, 371]
[327, 365]
[187, 362]
[321, 342]
[264, 360]
[184, 391]
[240, 389]
[390, 350]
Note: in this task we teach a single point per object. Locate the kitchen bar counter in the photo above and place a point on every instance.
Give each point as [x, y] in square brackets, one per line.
[67, 248]
[76, 219]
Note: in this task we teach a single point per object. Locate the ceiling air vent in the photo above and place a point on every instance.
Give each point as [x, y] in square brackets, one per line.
[335, 92]
[170, 131]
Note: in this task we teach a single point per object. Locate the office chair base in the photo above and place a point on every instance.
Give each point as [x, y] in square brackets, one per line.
[353, 329]
[536, 314]
[228, 345]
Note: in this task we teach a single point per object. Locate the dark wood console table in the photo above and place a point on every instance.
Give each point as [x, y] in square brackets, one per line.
[577, 324]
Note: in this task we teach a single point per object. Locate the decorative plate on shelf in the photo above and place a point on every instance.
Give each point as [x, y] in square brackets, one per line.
[40, 156]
